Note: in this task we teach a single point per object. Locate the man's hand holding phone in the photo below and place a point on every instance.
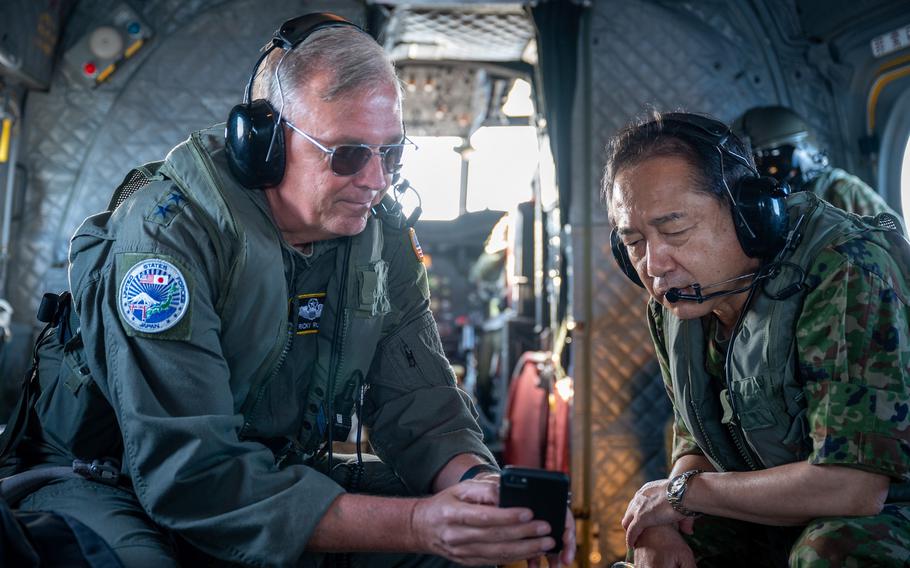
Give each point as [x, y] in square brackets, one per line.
[546, 493]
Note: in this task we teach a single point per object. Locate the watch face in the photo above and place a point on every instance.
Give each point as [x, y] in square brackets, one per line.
[677, 484]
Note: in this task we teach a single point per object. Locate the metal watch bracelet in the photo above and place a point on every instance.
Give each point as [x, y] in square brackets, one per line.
[676, 490]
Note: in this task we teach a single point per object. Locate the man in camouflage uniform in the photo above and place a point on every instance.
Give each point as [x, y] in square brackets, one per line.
[784, 149]
[790, 380]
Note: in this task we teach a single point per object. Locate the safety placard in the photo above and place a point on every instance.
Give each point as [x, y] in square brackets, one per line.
[891, 41]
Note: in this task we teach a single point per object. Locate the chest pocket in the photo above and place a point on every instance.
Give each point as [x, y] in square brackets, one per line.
[754, 398]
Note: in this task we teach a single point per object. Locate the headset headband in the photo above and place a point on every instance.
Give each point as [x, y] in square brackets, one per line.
[254, 136]
[703, 129]
[294, 32]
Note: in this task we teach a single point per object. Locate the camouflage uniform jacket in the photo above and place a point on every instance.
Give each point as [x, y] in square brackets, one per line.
[219, 348]
[835, 391]
[848, 192]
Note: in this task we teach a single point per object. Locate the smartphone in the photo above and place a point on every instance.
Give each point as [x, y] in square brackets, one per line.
[543, 491]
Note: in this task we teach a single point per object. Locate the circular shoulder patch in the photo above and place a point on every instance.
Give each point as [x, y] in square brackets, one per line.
[153, 296]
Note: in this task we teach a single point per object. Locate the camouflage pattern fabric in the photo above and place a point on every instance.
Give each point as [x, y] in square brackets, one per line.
[854, 353]
[849, 193]
[843, 542]
[882, 540]
[853, 348]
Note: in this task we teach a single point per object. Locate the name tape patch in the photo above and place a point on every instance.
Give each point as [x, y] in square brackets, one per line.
[309, 312]
[153, 296]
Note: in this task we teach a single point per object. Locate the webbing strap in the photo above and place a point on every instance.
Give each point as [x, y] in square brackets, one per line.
[135, 180]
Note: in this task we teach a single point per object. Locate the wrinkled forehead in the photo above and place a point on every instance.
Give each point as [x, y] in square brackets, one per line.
[322, 87]
[658, 188]
[376, 106]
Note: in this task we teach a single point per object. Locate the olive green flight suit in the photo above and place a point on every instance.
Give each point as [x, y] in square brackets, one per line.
[223, 352]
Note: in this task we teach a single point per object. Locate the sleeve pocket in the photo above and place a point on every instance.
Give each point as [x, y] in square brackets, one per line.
[413, 358]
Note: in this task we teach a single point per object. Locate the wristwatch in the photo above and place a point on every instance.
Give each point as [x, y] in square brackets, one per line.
[476, 470]
[676, 490]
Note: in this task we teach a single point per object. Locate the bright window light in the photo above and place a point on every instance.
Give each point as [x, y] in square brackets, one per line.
[548, 192]
[905, 186]
[502, 167]
[435, 171]
[518, 101]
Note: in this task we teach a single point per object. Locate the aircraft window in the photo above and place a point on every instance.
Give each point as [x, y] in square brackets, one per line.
[503, 161]
[518, 102]
[549, 196]
[905, 186]
[502, 167]
[435, 171]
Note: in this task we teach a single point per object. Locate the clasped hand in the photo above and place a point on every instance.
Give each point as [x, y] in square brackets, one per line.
[649, 507]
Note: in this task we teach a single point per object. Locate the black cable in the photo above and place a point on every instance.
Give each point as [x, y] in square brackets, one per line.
[357, 475]
[337, 345]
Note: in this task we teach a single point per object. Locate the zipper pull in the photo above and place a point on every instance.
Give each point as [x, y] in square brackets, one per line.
[727, 406]
[412, 362]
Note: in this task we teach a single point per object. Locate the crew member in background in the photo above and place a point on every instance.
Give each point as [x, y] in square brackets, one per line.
[785, 149]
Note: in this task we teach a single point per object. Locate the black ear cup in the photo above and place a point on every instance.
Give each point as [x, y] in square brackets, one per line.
[760, 216]
[759, 203]
[254, 138]
[254, 142]
[621, 255]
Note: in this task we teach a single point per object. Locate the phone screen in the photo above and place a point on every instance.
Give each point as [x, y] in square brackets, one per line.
[545, 492]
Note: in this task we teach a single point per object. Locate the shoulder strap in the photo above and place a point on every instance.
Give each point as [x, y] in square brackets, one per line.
[135, 180]
[899, 245]
[55, 311]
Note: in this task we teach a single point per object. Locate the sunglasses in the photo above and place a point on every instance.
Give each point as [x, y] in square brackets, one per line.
[349, 159]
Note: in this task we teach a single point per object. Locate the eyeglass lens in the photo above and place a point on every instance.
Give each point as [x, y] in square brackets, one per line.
[348, 160]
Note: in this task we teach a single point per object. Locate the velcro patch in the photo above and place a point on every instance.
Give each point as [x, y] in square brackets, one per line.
[167, 208]
[153, 296]
[309, 312]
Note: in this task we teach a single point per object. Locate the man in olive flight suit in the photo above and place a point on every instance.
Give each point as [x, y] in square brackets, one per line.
[781, 326]
[231, 332]
[783, 148]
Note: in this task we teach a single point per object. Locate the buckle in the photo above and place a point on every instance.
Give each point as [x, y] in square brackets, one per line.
[105, 471]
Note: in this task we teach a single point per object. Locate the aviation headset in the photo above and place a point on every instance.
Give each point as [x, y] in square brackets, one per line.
[757, 203]
[254, 139]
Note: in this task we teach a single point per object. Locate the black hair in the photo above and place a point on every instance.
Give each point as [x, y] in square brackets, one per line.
[649, 137]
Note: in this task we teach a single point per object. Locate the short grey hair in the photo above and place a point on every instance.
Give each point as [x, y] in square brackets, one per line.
[354, 60]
